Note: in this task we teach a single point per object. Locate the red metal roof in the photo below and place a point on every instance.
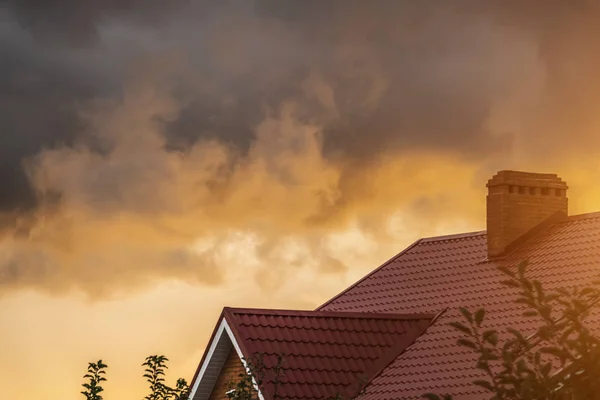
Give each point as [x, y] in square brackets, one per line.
[452, 271]
[325, 353]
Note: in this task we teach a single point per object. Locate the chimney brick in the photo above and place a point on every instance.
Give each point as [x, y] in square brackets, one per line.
[518, 202]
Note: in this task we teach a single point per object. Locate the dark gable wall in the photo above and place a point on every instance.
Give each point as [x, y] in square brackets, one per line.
[232, 368]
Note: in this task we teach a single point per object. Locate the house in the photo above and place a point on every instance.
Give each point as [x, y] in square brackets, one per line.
[388, 333]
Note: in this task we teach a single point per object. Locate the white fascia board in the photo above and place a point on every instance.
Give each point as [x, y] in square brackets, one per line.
[211, 351]
[241, 356]
[223, 327]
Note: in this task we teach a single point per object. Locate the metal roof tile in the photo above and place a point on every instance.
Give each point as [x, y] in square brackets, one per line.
[326, 351]
[435, 273]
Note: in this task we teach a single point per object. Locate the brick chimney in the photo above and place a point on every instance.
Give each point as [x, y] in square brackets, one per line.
[518, 202]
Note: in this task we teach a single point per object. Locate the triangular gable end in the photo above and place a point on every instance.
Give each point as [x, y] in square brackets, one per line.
[222, 343]
[326, 353]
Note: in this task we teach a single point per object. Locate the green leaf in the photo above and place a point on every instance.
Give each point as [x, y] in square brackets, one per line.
[552, 297]
[522, 366]
[544, 332]
[506, 271]
[479, 316]
[566, 333]
[483, 365]
[491, 337]
[484, 384]
[519, 336]
[488, 354]
[588, 291]
[461, 327]
[545, 370]
[561, 354]
[468, 316]
[467, 343]
[527, 283]
[511, 283]
[538, 288]
[521, 268]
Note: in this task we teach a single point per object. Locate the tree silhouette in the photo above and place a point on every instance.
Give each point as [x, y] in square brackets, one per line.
[560, 361]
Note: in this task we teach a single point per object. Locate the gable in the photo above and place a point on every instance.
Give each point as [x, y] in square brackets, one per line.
[212, 363]
[230, 372]
[217, 364]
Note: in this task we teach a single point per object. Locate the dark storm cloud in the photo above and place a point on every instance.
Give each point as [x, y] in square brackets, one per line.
[378, 77]
[76, 22]
[401, 76]
[36, 100]
[324, 114]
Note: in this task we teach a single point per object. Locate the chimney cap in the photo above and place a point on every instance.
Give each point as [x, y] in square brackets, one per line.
[519, 178]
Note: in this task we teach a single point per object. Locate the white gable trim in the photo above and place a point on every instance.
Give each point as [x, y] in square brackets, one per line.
[236, 346]
[224, 328]
[211, 351]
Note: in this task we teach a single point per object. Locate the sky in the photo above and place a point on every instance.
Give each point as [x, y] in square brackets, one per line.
[161, 160]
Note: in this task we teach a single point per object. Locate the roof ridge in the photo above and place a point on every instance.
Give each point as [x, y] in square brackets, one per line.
[589, 215]
[427, 239]
[453, 236]
[385, 264]
[325, 314]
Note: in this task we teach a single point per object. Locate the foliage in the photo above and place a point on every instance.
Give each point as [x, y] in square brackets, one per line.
[95, 375]
[244, 388]
[558, 362]
[181, 390]
[154, 373]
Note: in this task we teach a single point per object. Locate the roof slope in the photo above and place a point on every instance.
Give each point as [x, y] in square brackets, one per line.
[325, 353]
[452, 271]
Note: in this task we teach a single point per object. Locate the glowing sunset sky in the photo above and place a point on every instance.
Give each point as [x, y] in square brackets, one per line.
[160, 160]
